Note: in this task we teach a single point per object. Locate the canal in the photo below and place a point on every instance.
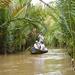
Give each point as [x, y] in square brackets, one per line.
[55, 62]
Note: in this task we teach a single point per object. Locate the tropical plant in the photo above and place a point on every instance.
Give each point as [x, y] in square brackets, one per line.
[18, 21]
[19, 24]
[67, 24]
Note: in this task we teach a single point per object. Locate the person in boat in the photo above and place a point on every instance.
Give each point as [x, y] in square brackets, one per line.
[41, 41]
[41, 37]
[43, 48]
[36, 47]
[39, 48]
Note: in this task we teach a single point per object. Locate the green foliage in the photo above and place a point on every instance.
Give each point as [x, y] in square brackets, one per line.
[19, 24]
[56, 22]
[67, 24]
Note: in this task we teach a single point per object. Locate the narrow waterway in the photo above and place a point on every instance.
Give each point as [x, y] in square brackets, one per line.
[55, 62]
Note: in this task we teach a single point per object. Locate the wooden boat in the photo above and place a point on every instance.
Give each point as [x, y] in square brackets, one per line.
[39, 51]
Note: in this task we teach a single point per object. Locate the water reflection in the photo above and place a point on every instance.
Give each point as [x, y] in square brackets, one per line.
[55, 62]
[52, 73]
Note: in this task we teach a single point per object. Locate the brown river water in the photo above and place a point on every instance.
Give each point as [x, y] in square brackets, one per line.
[55, 62]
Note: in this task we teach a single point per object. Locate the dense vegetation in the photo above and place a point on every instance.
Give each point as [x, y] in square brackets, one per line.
[56, 20]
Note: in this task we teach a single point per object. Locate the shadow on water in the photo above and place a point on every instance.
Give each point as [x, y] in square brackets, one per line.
[55, 62]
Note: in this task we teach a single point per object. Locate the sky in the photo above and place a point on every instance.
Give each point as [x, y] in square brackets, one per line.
[34, 2]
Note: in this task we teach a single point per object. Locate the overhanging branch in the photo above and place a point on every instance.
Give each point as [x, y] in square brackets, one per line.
[45, 3]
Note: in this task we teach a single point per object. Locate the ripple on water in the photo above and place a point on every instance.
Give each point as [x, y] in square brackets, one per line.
[52, 73]
[50, 57]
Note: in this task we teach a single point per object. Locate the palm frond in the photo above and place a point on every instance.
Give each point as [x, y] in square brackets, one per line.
[4, 3]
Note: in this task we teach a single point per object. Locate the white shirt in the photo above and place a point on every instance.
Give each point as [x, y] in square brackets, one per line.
[42, 47]
[36, 45]
[41, 38]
